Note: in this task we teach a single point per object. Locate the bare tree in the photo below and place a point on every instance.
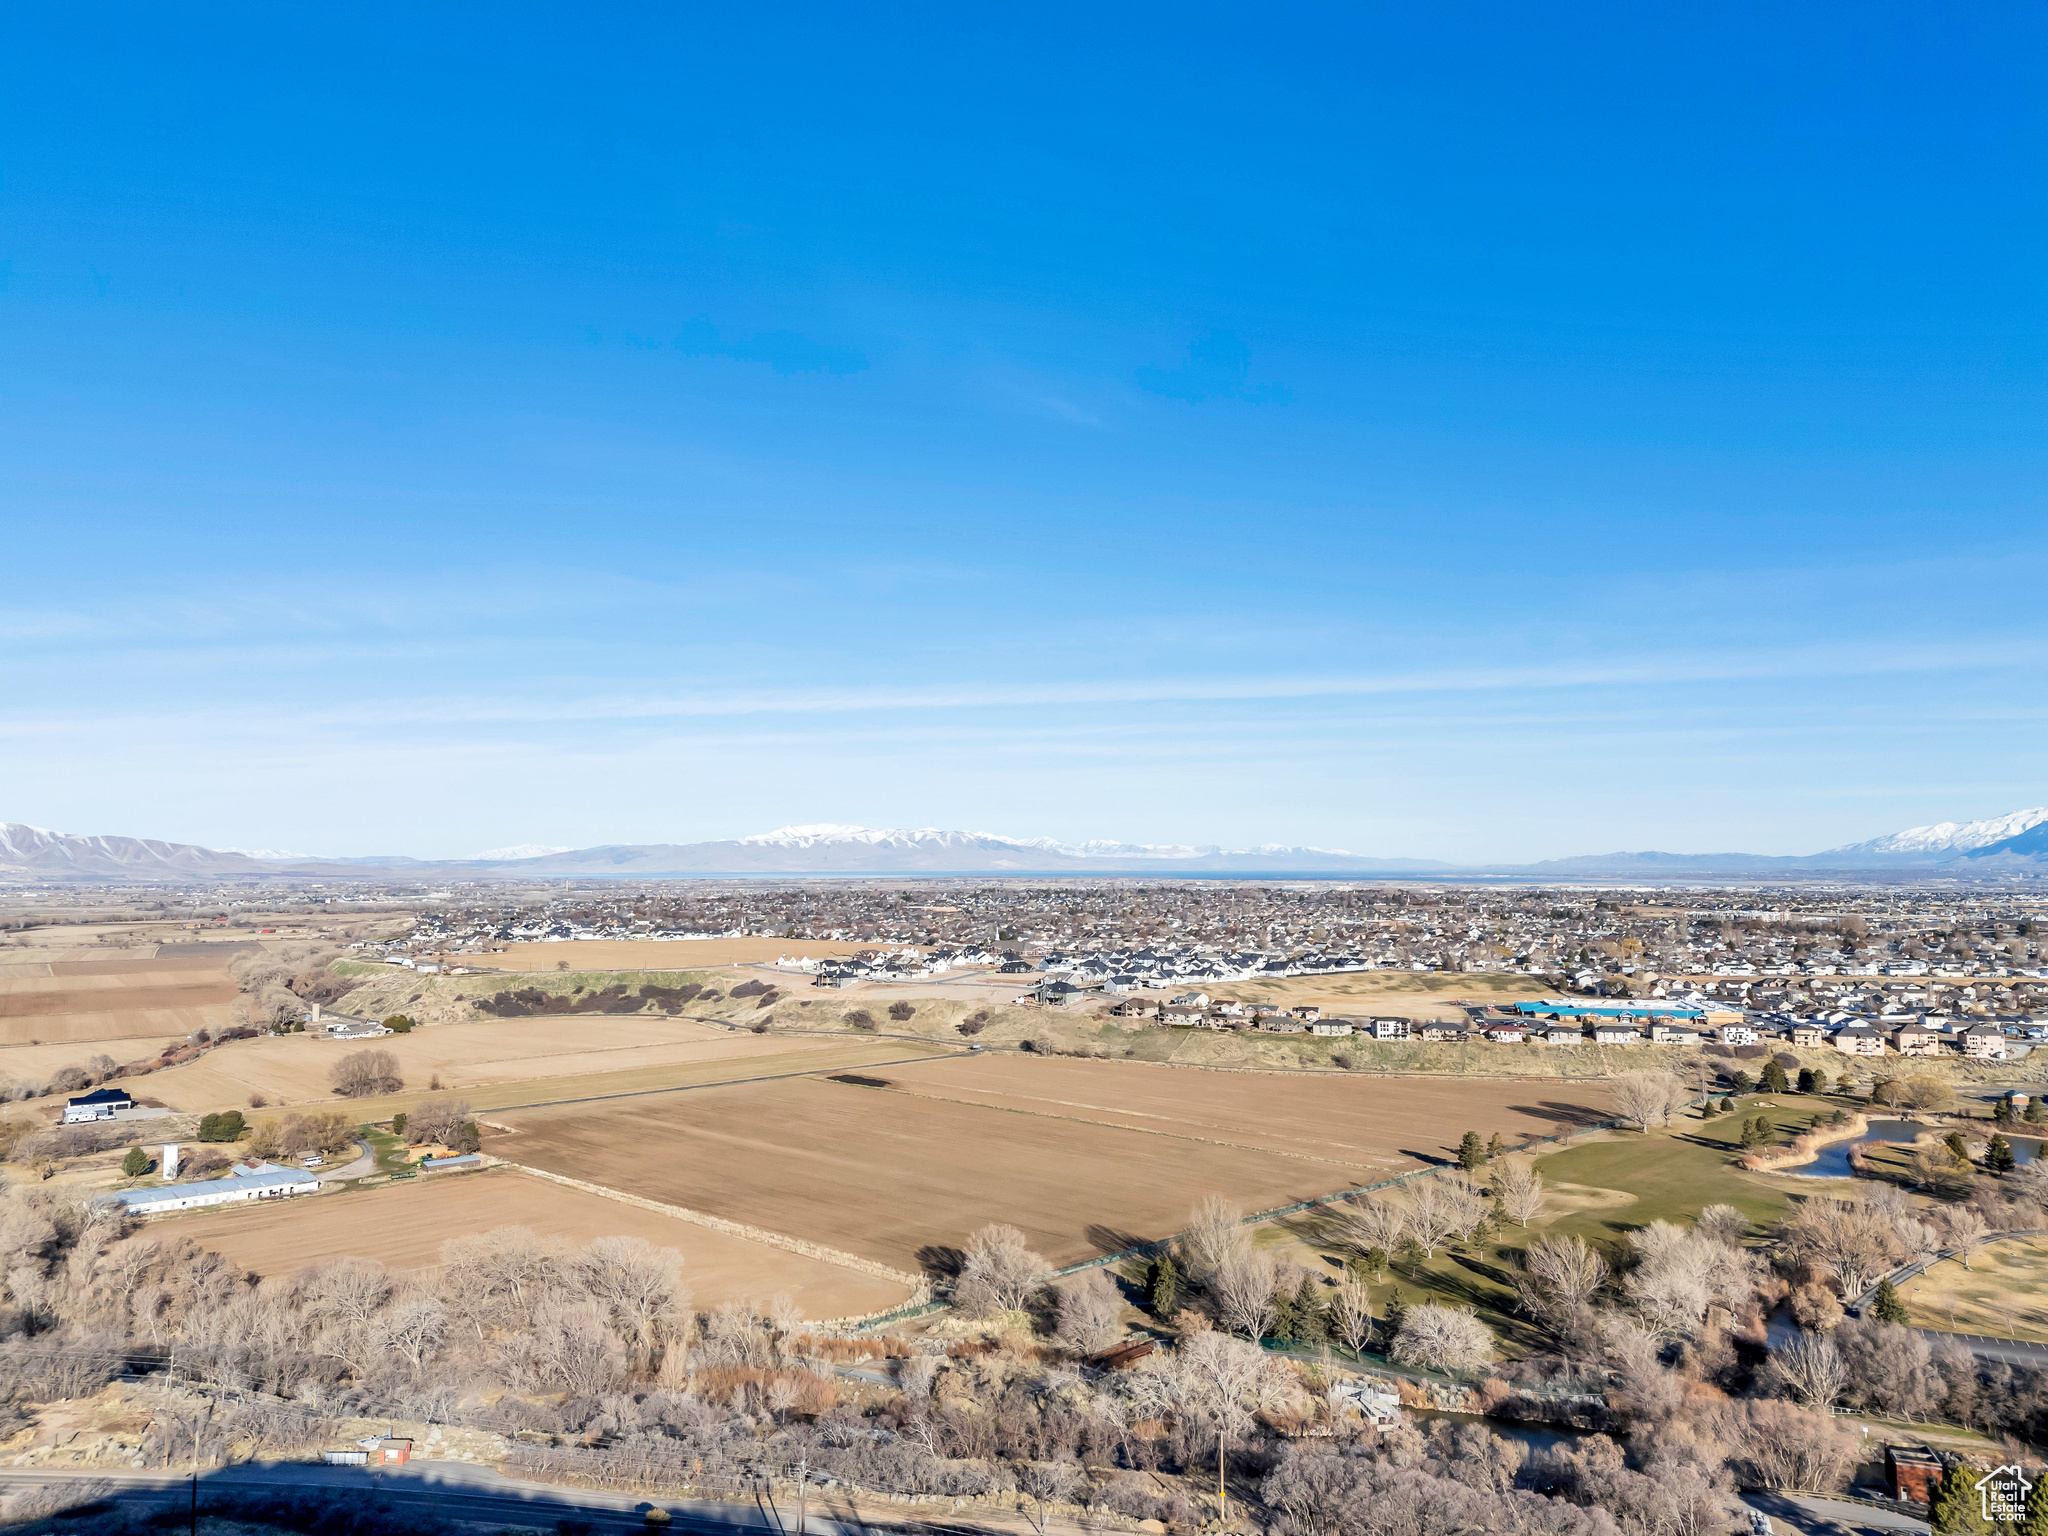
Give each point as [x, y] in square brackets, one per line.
[436, 1120]
[1520, 1188]
[1045, 1483]
[1559, 1275]
[361, 1074]
[1351, 1314]
[1442, 1338]
[637, 1286]
[1812, 1368]
[1853, 1242]
[1722, 1224]
[1213, 1230]
[1225, 1380]
[1000, 1272]
[1377, 1222]
[1090, 1313]
[1964, 1227]
[1647, 1098]
[1432, 1213]
[1242, 1290]
[916, 1376]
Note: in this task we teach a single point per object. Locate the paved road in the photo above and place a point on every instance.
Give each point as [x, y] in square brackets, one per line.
[1812, 1515]
[449, 1490]
[364, 1165]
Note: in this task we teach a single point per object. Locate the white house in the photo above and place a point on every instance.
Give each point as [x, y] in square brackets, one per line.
[1737, 1034]
[262, 1181]
[1330, 1027]
[100, 1104]
[1390, 1029]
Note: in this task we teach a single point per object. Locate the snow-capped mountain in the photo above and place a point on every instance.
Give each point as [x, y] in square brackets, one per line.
[1949, 837]
[523, 851]
[37, 853]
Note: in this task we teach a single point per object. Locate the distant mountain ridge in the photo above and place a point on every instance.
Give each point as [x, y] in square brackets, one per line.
[2015, 843]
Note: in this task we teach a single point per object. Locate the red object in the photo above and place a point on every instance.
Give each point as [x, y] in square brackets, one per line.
[394, 1453]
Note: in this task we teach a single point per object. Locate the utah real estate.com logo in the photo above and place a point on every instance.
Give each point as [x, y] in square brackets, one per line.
[2004, 1492]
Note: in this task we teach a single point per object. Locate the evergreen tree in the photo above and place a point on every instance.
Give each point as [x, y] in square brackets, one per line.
[1285, 1322]
[1727, 1105]
[1998, 1155]
[1957, 1149]
[2035, 1522]
[2036, 1110]
[1375, 1261]
[135, 1164]
[1774, 1079]
[1162, 1288]
[1887, 1308]
[1741, 1082]
[1807, 1081]
[2002, 1111]
[398, 1124]
[1955, 1507]
[1310, 1324]
[1495, 1147]
[1471, 1154]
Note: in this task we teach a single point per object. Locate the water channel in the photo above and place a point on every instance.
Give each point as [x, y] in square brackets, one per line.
[1833, 1161]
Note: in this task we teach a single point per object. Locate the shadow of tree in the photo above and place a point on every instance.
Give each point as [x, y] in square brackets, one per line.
[940, 1261]
[1108, 1239]
[1562, 1113]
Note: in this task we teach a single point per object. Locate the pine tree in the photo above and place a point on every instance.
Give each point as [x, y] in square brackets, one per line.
[2002, 1111]
[1495, 1147]
[1310, 1325]
[1887, 1308]
[2036, 1110]
[1163, 1288]
[1774, 1079]
[1471, 1154]
[1806, 1080]
[1955, 1509]
[2035, 1522]
[1285, 1323]
[1998, 1156]
[135, 1164]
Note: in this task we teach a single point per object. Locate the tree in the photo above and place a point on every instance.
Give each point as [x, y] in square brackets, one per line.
[400, 1024]
[1646, 1098]
[1224, 1380]
[1242, 1290]
[1351, 1315]
[1162, 1287]
[226, 1126]
[1213, 1230]
[436, 1121]
[1956, 1506]
[1811, 1367]
[364, 1073]
[2035, 1522]
[398, 1125]
[1000, 1272]
[1806, 1080]
[1433, 1213]
[2002, 1111]
[135, 1164]
[1519, 1187]
[2037, 1110]
[1311, 1326]
[1090, 1313]
[1442, 1338]
[1773, 1080]
[1495, 1147]
[1740, 1083]
[1559, 1275]
[1887, 1308]
[1378, 1223]
[1998, 1156]
[1471, 1152]
[1853, 1242]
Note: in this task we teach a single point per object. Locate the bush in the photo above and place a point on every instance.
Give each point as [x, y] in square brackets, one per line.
[228, 1125]
[901, 1011]
[135, 1164]
[751, 989]
[399, 1024]
[860, 1018]
[974, 1023]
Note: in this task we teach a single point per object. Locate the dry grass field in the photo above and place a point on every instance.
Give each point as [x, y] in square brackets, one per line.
[80, 994]
[404, 1224]
[886, 1173]
[2004, 1293]
[655, 954]
[508, 1061]
[1408, 994]
[35, 1063]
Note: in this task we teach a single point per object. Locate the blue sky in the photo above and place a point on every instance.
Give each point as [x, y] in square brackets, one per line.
[1477, 432]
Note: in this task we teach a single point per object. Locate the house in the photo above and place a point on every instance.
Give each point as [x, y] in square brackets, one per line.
[1913, 1471]
[1230, 1008]
[246, 1181]
[1858, 1040]
[1809, 1036]
[1390, 1029]
[1986, 1041]
[1916, 1040]
[1135, 1008]
[1054, 994]
[1280, 1024]
[1736, 1034]
[1562, 1034]
[100, 1104]
[835, 979]
[1615, 1034]
[1675, 1034]
[1191, 1000]
[1181, 1013]
[1330, 1027]
[1445, 1033]
[1308, 1013]
[1506, 1034]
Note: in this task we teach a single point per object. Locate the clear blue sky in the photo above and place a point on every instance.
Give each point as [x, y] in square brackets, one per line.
[1465, 431]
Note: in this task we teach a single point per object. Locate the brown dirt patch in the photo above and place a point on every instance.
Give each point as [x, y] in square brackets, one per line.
[404, 1224]
[886, 1174]
[103, 997]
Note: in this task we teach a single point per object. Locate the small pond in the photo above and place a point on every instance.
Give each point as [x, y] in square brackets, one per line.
[1833, 1161]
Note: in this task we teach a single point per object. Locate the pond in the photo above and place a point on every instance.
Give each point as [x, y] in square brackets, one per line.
[1833, 1161]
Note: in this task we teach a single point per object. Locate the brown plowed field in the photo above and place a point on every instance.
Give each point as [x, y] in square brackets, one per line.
[886, 1173]
[104, 998]
[656, 954]
[29, 1063]
[404, 1224]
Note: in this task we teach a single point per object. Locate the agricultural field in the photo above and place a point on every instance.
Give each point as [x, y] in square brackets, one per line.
[404, 1224]
[1406, 994]
[657, 954]
[892, 1167]
[2003, 1294]
[87, 994]
[508, 1061]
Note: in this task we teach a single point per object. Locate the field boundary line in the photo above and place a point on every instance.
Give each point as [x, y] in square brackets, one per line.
[780, 1240]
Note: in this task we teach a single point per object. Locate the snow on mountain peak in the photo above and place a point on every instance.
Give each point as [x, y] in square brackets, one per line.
[1952, 836]
[523, 851]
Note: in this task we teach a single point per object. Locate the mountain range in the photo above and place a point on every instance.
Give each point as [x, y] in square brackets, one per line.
[2012, 844]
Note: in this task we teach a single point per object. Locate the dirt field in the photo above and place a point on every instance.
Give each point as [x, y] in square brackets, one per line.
[885, 1173]
[655, 954]
[2004, 1294]
[404, 1225]
[32, 1063]
[1408, 994]
[501, 1061]
[114, 995]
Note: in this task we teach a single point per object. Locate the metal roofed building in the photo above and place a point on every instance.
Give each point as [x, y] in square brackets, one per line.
[100, 1104]
[267, 1181]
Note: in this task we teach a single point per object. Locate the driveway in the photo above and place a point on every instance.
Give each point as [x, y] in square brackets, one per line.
[1812, 1515]
[364, 1165]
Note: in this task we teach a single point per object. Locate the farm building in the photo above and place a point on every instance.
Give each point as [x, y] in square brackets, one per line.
[451, 1164]
[261, 1181]
[100, 1104]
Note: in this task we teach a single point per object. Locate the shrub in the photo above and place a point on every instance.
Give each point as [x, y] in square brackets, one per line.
[901, 1011]
[860, 1018]
[399, 1024]
[751, 989]
[135, 1164]
[228, 1125]
[974, 1023]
